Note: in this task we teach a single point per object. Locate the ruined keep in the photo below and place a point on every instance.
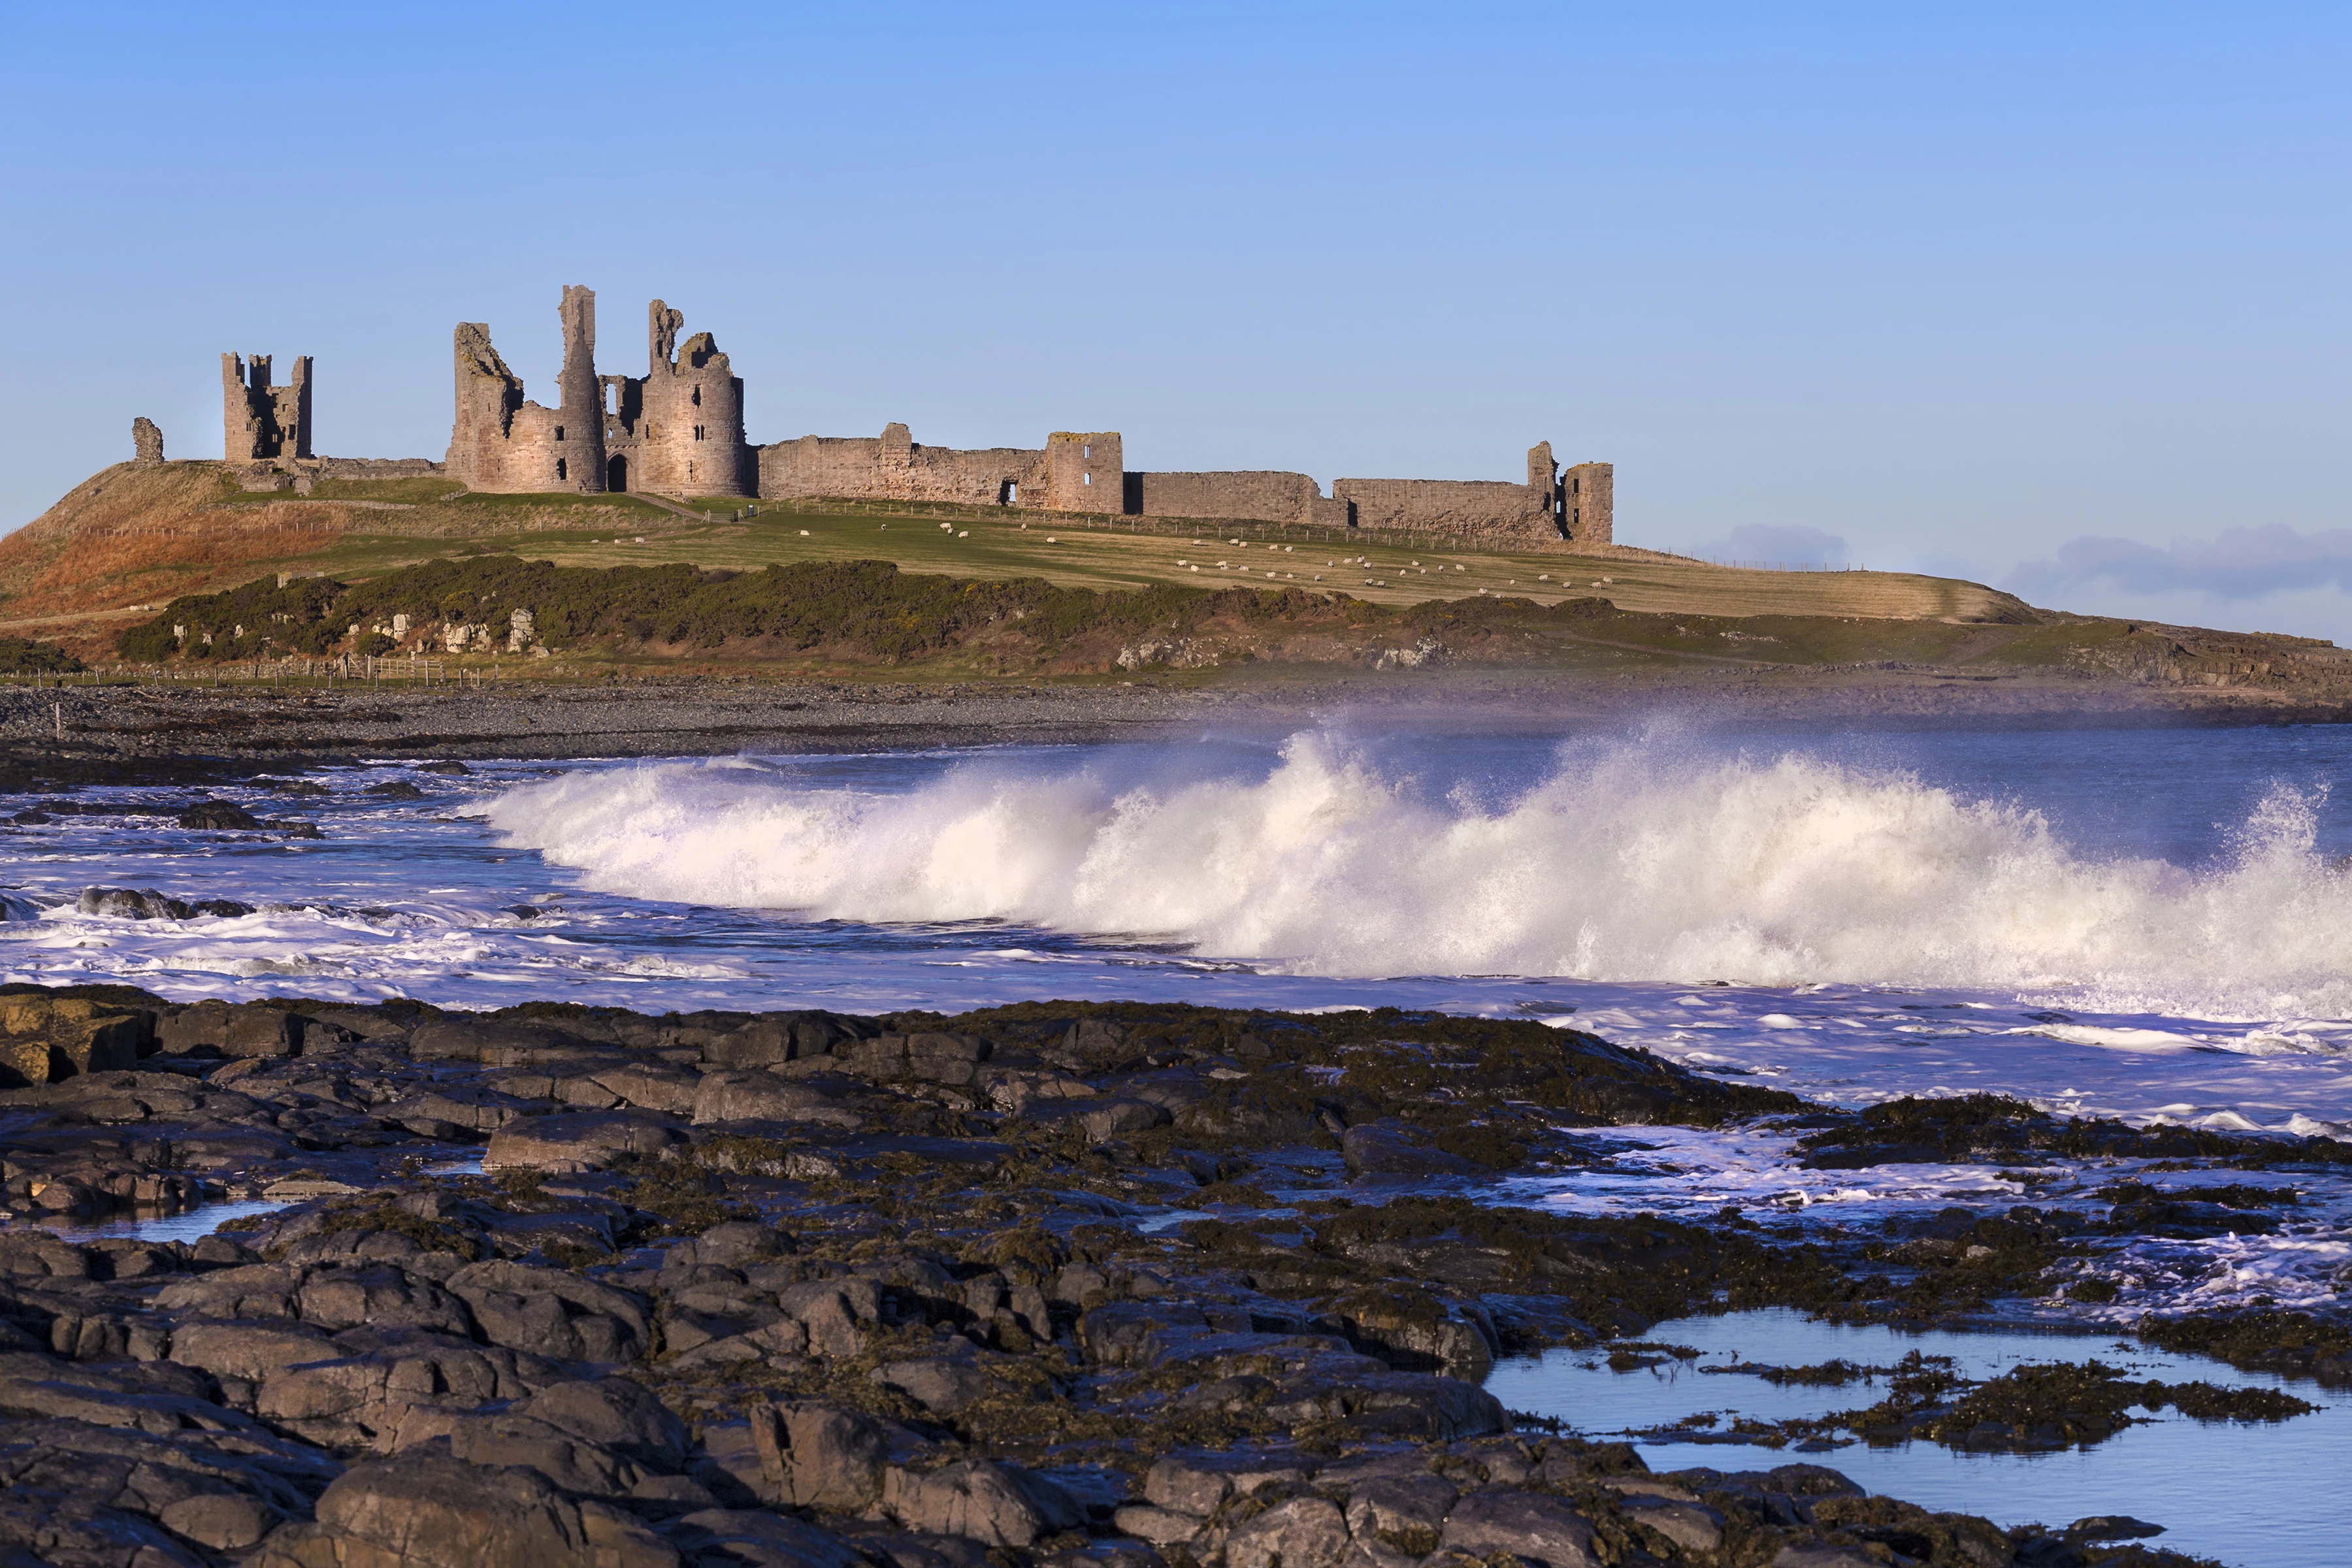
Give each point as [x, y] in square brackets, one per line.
[259, 421]
[146, 441]
[501, 441]
[678, 430]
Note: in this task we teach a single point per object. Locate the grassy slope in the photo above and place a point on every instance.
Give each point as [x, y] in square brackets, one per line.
[398, 522]
[131, 536]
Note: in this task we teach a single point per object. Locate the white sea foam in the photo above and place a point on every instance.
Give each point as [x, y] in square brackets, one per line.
[1637, 863]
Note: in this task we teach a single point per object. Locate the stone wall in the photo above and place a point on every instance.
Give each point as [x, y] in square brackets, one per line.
[298, 474]
[1482, 510]
[1270, 495]
[895, 467]
[146, 440]
[262, 421]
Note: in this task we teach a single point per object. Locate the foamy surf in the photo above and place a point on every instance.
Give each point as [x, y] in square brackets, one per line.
[428, 901]
[1632, 864]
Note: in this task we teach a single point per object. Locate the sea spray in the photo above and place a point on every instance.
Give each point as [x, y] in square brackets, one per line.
[1629, 862]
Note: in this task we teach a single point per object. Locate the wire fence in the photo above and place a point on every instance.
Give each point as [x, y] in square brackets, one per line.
[293, 671]
[1208, 530]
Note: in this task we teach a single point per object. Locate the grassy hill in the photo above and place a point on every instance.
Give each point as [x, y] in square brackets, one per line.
[640, 582]
[130, 537]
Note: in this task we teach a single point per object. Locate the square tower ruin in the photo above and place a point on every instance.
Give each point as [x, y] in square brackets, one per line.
[260, 422]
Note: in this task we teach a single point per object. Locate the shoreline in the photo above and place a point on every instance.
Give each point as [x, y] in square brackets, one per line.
[162, 732]
[1101, 1273]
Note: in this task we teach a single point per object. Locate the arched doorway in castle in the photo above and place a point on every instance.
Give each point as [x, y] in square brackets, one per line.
[616, 474]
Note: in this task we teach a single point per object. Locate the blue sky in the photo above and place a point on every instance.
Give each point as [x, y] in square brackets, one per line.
[2049, 295]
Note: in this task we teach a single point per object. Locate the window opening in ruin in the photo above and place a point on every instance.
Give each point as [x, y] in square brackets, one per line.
[1086, 451]
[559, 468]
[698, 432]
[616, 475]
[698, 396]
[559, 432]
[1008, 494]
[1085, 479]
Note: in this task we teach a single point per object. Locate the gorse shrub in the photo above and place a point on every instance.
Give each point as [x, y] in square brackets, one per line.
[20, 656]
[850, 609]
[867, 607]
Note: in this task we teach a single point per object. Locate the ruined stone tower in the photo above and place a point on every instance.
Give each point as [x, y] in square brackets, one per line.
[1085, 471]
[680, 427]
[578, 439]
[1588, 504]
[258, 421]
[500, 441]
[1544, 487]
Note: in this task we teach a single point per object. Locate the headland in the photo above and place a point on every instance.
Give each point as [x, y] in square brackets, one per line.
[632, 530]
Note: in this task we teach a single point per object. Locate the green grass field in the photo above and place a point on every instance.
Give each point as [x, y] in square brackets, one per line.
[1685, 613]
[1104, 553]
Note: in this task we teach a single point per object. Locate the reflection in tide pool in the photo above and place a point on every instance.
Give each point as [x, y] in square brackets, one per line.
[2244, 1494]
[189, 1224]
[194, 1224]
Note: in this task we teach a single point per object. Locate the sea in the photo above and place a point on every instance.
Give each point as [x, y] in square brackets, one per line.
[2148, 924]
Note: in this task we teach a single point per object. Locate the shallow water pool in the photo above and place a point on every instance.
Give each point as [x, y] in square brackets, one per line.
[2252, 1495]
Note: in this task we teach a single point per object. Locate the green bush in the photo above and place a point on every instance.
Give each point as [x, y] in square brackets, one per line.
[855, 609]
[19, 656]
[861, 606]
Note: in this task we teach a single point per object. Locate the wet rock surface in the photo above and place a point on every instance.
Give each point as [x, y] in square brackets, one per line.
[1057, 1283]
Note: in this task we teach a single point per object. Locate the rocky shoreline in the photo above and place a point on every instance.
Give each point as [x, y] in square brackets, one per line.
[1062, 1284]
[174, 732]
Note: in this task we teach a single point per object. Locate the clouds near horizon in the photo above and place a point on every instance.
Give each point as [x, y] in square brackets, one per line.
[2236, 565]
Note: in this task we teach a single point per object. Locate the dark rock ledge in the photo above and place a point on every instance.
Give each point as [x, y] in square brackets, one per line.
[1060, 1283]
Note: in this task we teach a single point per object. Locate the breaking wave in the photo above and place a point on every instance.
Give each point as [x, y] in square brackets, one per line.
[1629, 864]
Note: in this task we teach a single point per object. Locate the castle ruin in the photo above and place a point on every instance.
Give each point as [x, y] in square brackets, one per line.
[259, 421]
[678, 430]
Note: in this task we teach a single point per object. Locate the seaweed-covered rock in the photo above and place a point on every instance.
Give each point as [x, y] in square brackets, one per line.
[219, 816]
[606, 1438]
[761, 1539]
[1389, 1148]
[995, 1504]
[429, 1510]
[1526, 1525]
[550, 1312]
[750, 1096]
[821, 1456]
[587, 1141]
[358, 1400]
[1301, 1533]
